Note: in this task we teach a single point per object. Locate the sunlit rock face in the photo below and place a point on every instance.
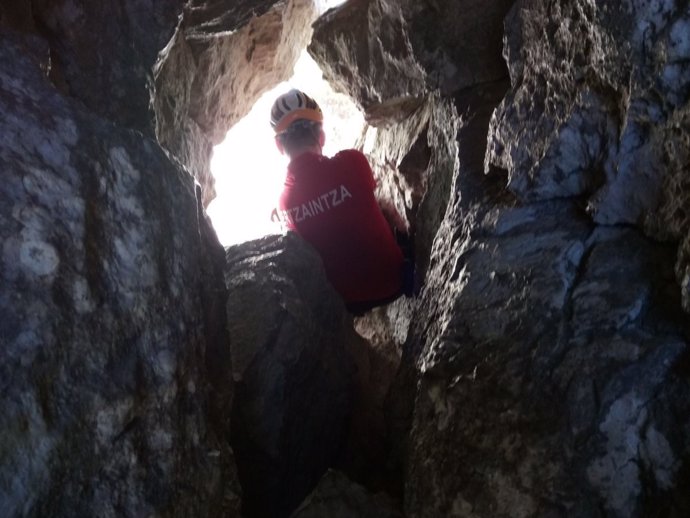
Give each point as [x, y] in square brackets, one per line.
[607, 90]
[113, 331]
[414, 157]
[293, 360]
[544, 372]
[221, 59]
[383, 52]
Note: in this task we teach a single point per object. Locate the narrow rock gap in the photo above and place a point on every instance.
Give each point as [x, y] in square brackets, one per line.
[115, 309]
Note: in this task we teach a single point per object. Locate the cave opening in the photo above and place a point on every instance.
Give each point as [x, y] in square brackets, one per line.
[247, 167]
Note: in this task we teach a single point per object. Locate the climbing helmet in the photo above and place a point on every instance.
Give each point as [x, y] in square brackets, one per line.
[292, 106]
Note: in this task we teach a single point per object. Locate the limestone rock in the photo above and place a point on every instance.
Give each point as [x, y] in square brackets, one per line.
[186, 71]
[221, 59]
[366, 458]
[545, 368]
[363, 49]
[552, 377]
[414, 161]
[672, 219]
[291, 343]
[599, 93]
[111, 337]
[338, 497]
[387, 54]
[103, 53]
[458, 43]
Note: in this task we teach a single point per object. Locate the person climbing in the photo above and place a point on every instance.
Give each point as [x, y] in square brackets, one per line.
[330, 203]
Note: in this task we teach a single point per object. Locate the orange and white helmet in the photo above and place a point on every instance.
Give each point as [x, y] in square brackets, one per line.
[292, 106]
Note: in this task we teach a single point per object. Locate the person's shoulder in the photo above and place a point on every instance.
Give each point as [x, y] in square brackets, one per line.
[352, 156]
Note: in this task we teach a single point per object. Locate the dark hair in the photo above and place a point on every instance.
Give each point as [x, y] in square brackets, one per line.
[300, 134]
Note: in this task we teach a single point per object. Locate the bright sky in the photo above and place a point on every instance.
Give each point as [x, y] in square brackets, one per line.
[249, 170]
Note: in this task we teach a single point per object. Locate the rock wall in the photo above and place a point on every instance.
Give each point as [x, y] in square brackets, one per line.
[110, 311]
[545, 366]
[182, 71]
[607, 90]
[538, 151]
[116, 391]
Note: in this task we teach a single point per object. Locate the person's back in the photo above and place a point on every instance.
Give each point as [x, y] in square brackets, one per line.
[330, 202]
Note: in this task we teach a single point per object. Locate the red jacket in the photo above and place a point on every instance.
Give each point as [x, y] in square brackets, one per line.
[330, 202]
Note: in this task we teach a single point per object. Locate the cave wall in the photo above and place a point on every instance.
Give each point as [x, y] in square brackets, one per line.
[109, 308]
[537, 150]
[293, 349]
[183, 72]
[220, 60]
[116, 389]
[544, 372]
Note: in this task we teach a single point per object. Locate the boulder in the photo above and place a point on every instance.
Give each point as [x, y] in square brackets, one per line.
[292, 346]
[338, 497]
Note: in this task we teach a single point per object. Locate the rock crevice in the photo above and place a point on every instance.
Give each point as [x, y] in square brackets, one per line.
[538, 151]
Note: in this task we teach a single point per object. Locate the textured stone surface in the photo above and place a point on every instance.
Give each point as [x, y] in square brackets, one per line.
[110, 299]
[291, 345]
[102, 53]
[414, 161]
[545, 368]
[187, 71]
[672, 219]
[552, 351]
[600, 94]
[552, 375]
[386, 54]
[378, 360]
[217, 65]
[338, 497]
[364, 50]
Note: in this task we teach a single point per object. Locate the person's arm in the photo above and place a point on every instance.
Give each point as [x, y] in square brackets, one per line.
[393, 217]
[388, 209]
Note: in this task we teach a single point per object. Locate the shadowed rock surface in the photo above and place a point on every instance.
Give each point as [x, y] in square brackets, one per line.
[414, 159]
[203, 63]
[539, 151]
[100, 53]
[385, 53]
[110, 313]
[607, 90]
[117, 389]
[338, 497]
[545, 368]
[294, 371]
